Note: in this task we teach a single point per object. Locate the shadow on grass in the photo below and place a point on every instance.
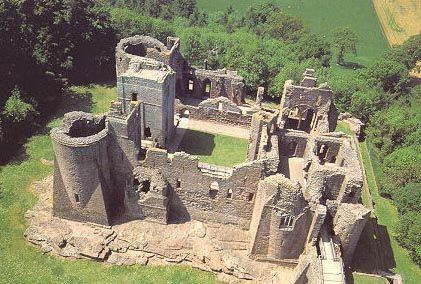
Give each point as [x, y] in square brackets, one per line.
[374, 250]
[197, 143]
[352, 65]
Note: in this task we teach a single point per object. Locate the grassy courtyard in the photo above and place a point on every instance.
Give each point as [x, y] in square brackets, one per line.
[23, 263]
[215, 148]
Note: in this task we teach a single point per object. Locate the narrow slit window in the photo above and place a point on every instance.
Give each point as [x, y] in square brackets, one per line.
[178, 185]
[191, 85]
[229, 193]
[250, 197]
[77, 199]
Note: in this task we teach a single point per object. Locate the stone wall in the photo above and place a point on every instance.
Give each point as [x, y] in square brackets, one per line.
[218, 110]
[82, 181]
[307, 107]
[206, 196]
[204, 84]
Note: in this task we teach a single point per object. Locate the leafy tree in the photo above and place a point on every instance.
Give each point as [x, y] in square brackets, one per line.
[408, 234]
[409, 53]
[401, 167]
[259, 14]
[284, 27]
[198, 18]
[395, 126]
[390, 75]
[128, 23]
[344, 40]
[312, 46]
[16, 110]
[184, 8]
[192, 48]
[366, 102]
[408, 198]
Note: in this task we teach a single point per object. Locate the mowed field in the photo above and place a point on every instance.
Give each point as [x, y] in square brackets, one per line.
[322, 16]
[400, 19]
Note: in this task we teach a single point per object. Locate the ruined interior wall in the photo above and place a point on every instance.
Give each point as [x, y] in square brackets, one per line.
[316, 98]
[222, 84]
[82, 184]
[255, 136]
[291, 136]
[193, 199]
[214, 114]
[123, 154]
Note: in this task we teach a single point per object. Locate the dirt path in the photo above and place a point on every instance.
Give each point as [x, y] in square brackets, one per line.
[217, 128]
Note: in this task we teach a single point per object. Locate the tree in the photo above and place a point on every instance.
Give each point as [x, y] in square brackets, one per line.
[408, 234]
[192, 49]
[184, 8]
[408, 198]
[390, 75]
[284, 27]
[198, 18]
[409, 53]
[395, 126]
[16, 110]
[344, 86]
[345, 40]
[259, 14]
[312, 46]
[401, 167]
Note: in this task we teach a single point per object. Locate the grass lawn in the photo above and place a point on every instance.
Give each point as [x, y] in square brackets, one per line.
[387, 216]
[23, 263]
[366, 279]
[214, 148]
[344, 127]
[321, 16]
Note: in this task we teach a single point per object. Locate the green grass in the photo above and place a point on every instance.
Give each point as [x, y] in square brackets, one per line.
[23, 263]
[366, 279]
[215, 148]
[321, 16]
[344, 127]
[387, 215]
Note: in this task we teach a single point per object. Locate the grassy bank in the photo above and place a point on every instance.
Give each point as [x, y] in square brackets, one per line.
[23, 263]
[367, 279]
[387, 216]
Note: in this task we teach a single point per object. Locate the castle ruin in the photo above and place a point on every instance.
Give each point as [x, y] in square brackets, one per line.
[295, 201]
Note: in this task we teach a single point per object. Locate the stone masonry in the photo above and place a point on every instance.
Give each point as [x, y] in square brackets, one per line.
[299, 188]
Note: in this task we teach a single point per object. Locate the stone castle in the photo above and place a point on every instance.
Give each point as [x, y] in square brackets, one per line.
[295, 199]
